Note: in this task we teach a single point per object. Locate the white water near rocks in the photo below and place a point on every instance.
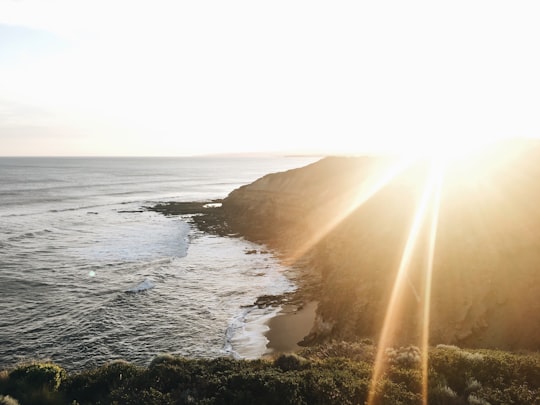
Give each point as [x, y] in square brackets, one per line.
[88, 276]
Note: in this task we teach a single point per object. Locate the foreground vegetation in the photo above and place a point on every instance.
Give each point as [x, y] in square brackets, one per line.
[338, 373]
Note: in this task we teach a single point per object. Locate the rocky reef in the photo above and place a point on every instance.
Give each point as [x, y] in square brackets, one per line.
[349, 220]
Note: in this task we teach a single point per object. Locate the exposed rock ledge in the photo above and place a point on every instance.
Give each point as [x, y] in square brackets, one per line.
[486, 275]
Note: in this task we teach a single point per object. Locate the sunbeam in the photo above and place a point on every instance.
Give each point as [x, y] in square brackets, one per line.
[435, 208]
[365, 191]
[392, 313]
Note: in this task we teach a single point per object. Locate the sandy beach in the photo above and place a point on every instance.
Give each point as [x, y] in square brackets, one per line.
[290, 327]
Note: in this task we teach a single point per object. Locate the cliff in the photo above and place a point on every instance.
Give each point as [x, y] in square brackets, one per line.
[349, 220]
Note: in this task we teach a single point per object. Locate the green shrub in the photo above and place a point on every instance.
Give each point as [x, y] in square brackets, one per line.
[442, 394]
[35, 383]
[95, 386]
[358, 351]
[408, 357]
[408, 377]
[335, 386]
[389, 393]
[38, 375]
[288, 362]
[269, 387]
[7, 400]
[162, 359]
[4, 380]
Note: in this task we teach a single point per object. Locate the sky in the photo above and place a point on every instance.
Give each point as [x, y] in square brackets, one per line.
[168, 78]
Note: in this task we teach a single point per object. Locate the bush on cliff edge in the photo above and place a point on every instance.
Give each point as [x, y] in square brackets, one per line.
[456, 376]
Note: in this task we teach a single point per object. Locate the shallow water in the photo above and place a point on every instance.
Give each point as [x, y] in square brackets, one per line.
[86, 276]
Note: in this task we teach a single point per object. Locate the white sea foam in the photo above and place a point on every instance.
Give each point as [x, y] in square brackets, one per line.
[245, 337]
[145, 285]
[134, 240]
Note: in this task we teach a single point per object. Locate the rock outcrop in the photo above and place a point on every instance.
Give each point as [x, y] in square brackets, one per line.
[350, 218]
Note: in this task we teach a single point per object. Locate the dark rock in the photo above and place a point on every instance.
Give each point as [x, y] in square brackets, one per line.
[206, 216]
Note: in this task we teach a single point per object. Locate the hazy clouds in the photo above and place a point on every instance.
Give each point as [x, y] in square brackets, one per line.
[199, 77]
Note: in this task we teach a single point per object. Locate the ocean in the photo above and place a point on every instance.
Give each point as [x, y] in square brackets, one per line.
[88, 275]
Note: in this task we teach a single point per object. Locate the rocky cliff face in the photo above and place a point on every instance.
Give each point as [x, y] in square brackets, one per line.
[352, 217]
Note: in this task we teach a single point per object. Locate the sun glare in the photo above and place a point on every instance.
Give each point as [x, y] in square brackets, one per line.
[449, 150]
[371, 186]
[449, 162]
[429, 203]
[424, 222]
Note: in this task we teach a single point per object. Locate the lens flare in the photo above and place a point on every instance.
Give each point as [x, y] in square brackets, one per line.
[373, 184]
[430, 194]
[424, 347]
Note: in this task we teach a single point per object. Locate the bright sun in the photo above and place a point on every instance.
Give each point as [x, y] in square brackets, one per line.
[453, 149]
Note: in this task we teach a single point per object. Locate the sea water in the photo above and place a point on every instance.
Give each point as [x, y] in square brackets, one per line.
[88, 275]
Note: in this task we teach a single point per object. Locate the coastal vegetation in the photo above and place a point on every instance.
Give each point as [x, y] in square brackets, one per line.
[334, 373]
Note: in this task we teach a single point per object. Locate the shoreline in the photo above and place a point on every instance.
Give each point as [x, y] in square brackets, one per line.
[296, 317]
[289, 327]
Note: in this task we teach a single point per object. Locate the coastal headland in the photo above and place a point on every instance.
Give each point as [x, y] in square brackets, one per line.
[346, 222]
